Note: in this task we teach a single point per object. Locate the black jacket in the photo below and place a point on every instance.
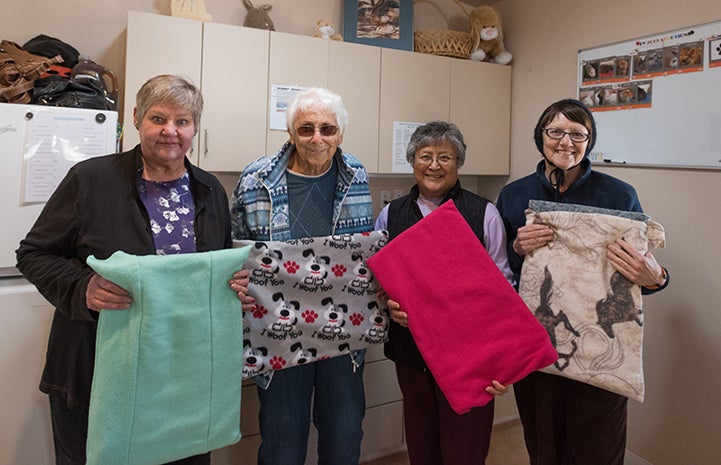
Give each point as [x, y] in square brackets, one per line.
[96, 210]
[404, 213]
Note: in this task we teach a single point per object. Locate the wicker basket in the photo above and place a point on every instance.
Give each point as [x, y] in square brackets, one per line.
[446, 42]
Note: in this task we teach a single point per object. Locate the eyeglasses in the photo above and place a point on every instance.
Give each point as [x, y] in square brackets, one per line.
[325, 130]
[442, 160]
[558, 134]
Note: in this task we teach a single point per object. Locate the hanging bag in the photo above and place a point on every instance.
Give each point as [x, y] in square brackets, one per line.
[18, 71]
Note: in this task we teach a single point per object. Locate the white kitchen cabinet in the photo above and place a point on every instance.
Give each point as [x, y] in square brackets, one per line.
[234, 79]
[354, 74]
[480, 101]
[27, 436]
[419, 88]
[158, 44]
[414, 88]
[294, 61]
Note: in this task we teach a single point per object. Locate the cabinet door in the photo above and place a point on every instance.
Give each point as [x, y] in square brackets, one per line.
[354, 74]
[158, 44]
[414, 88]
[234, 83]
[294, 61]
[481, 107]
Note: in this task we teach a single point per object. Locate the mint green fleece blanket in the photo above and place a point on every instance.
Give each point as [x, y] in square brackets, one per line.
[167, 374]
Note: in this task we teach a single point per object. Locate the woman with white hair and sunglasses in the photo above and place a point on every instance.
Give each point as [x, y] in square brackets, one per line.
[309, 188]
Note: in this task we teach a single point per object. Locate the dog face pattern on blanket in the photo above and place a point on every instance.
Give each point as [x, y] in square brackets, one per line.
[592, 313]
[315, 299]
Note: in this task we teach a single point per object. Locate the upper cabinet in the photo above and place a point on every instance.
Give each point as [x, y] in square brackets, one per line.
[234, 79]
[241, 71]
[419, 88]
[158, 44]
[480, 104]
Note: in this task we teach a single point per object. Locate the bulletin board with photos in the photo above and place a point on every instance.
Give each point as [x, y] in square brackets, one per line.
[656, 99]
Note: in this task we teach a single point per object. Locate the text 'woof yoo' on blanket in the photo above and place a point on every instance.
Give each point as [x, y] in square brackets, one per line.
[315, 299]
[592, 313]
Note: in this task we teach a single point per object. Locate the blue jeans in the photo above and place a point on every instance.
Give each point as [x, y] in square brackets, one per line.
[338, 409]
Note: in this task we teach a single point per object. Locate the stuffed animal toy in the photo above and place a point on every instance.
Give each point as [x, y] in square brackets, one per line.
[487, 32]
[326, 30]
[258, 17]
[191, 9]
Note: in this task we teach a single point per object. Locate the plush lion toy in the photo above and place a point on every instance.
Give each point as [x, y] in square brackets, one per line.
[487, 32]
[326, 30]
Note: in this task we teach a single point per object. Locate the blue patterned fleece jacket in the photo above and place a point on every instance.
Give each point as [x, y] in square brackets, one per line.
[259, 208]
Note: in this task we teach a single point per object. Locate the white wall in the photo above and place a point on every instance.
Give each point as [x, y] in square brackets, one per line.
[680, 419]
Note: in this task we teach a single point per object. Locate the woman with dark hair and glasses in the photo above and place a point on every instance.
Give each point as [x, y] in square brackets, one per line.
[435, 434]
[309, 188]
[567, 421]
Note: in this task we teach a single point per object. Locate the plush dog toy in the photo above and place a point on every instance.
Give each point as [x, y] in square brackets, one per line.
[487, 32]
[326, 30]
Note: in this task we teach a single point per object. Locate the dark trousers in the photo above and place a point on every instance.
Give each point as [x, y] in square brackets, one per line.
[435, 434]
[566, 422]
[70, 434]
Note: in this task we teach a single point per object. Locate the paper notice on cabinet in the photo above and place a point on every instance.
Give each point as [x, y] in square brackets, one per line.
[280, 98]
[402, 132]
[55, 141]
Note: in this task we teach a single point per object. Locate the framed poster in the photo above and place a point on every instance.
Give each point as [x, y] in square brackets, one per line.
[385, 23]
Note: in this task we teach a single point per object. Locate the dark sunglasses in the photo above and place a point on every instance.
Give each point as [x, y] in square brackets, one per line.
[326, 130]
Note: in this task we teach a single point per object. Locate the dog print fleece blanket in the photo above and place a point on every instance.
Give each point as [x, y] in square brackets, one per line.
[315, 299]
[468, 322]
[592, 313]
[167, 371]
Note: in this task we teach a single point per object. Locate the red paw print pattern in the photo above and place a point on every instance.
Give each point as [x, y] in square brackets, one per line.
[277, 362]
[339, 270]
[291, 267]
[309, 316]
[260, 312]
[356, 319]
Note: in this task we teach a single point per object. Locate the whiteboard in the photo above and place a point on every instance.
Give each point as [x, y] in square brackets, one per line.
[657, 99]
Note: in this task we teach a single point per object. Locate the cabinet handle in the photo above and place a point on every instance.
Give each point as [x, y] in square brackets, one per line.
[205, 154]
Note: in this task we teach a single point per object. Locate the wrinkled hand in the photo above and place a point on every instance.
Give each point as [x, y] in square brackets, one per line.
[497, 389]
[643, 270]
[104, 294]
[530, 237]
[239, 284]
[397, 314]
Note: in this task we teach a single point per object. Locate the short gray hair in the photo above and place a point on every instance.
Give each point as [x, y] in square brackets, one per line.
[169, 89]
[432, 134]
[317, 99]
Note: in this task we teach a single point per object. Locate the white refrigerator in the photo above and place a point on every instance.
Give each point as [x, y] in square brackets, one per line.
[38, 144]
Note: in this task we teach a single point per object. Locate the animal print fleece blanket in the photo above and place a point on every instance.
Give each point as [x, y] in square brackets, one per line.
[592, 313]
[315, 299]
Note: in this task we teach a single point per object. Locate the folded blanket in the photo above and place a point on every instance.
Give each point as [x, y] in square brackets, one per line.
[168, 370]
[315, 299]
[592, 313]
[468, 322]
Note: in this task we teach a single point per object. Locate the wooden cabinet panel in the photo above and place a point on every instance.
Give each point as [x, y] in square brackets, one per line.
[234, 80]
[480, 105]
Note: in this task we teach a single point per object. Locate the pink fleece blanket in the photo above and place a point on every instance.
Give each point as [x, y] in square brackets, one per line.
[470, 325]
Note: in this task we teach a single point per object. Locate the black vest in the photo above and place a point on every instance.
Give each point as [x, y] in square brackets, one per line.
[404, 213]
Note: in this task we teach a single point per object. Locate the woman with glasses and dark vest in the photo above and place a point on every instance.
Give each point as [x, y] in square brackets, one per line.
[309, 188]
[567, 421]
[435, 434]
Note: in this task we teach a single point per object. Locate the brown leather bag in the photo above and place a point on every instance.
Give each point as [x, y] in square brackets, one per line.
[18, 71]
